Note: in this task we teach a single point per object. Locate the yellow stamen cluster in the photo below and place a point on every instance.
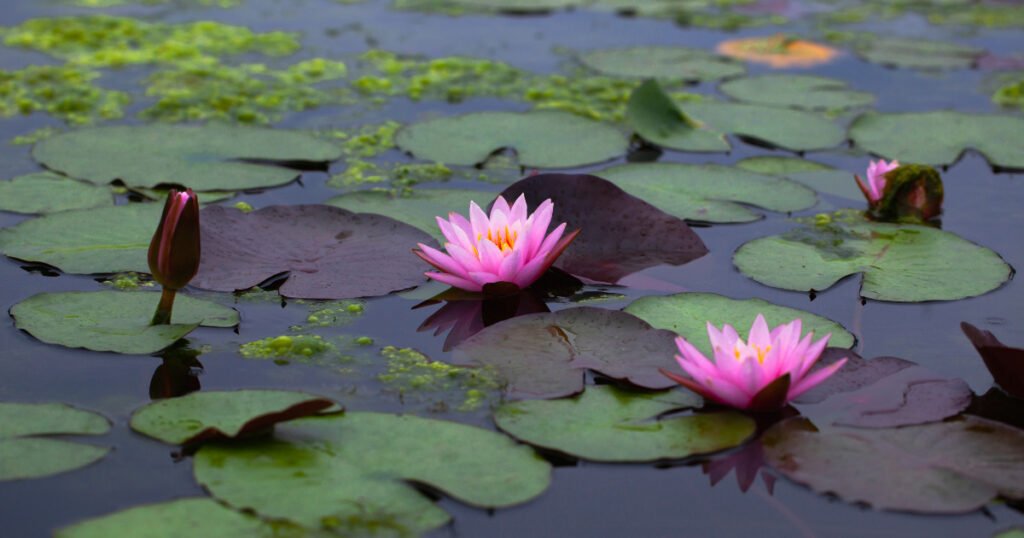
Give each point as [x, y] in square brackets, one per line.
[504, 242]
[761, 353]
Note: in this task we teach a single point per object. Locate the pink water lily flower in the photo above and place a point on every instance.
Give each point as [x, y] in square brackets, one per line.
[875, 187]
[508, 246]
[763, 373]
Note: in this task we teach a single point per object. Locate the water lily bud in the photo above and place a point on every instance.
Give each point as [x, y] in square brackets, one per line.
[913, 193]
[174, 250]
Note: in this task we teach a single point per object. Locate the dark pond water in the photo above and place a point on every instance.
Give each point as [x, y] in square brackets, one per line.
[584, 498]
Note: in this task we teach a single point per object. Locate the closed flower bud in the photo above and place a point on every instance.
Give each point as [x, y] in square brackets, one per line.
[174, 251]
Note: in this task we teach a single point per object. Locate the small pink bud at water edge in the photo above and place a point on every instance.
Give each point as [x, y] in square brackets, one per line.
[174, 251]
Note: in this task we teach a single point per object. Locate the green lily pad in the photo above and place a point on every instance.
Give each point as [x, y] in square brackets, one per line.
[22, 456]
[418, 209]
[687, 314]
[903, 263]
[202, 416]
[114, 320]
[46, 192]
[806, 92]
[666, 63]
[348, 470]
[209, 157]
[199, 516]
[701, 126]
[945, 467]
[939, 137]
[708, 192]
[918, 53]
[820, 177]
[609, 424]
[541, 139]
[101, 240]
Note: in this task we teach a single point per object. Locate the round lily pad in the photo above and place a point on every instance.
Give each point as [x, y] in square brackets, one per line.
[419, 209]
[202, 416]
[806, 92]
[46, 192]
[207, 157]
[946, 467]
[903, 263]
[820, 177]
[348, 473]
[687, 314]
[329, 252]
[100, 240]
[939, 137]
[541, 139]
[609, 424]
[708, 192]
[115, 321]
[918, 53]
[22, 456]
[667, 63]
[198, 516]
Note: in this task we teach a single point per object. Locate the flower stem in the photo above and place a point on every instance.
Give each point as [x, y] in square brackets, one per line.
[163, 310]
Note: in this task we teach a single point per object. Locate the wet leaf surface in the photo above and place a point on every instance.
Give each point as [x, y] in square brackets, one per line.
[23, 456]
[330, 253]
[805, 92]
[420, 209]
[46, 192]
[200, 516]
[609, 424]
[665, 63]
[918, 53]
[820, 177]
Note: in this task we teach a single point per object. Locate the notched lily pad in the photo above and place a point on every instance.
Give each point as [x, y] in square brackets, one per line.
[941, 468]
[330, 253]
[541, 139]
[204, 416]
[805, 92]
[1006, 364]
[46, 192]
[544, 355]
[206, 158]
[666, 63]
[902, 263]
[707, 192]
[200, 516]
[621, 234]
[115, 321]
[939, 138]
[687, 315]
[349, 473]
[609, 424]
[419, 209]
[25, 455]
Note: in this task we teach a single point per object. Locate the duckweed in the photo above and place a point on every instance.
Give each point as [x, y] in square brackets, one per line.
[410, 370]
[1010, 94]
[331, 313]
[127, 281]
[65, 92]
[286, 347]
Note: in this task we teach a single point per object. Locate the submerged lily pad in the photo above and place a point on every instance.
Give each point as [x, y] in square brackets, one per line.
[903, 263]
[666, 63]
[199, 516]
[707, 192]
[946, 467]
[202, 416]
[420, 208]
[687, 314]
[206, 158]
[329, 252]
[348, 473]
[940, 137]
[609, 424]
[918, 53]
[46, 192]
[23, 456]
[806, 92]
[545, 355]
[820, 177]
[621, 234]
[114, 320]
[541, 139]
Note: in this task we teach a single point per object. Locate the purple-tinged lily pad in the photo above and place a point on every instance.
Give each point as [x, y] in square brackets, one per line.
[330, 253]
[1006, 364]
[464, 318]
[621, 234]
[945, 467]
[544, 355]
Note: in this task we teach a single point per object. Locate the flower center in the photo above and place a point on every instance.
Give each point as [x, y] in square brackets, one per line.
[757, 351]
[505, 242]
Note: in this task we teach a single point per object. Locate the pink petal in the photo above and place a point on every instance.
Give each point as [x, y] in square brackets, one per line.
[500, 207]
[518, 211]
[461, 223]
[453, 280]
[442, 261]
[490, 256]
[452, 233]
[551, 240]
[464, 257]
[538, 226]
[509, 266]
[479, 221]
[759, 334]
[809, 382]
[483, 277]
[531, 271]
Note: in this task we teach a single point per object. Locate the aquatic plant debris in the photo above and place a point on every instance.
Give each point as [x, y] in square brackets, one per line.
[66, 92]
[24, 454]
[414, 375]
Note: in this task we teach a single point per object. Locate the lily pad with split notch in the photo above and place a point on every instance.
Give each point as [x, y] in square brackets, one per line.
[665, 63]
[24, 454]
[351, 473]
[605, 423]
[204, 416]
[329, 252]
[545, 355]
[208, 157]
[420, 209]
[709, 192]
[541, 139]
[804, 92]
[115, 321]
